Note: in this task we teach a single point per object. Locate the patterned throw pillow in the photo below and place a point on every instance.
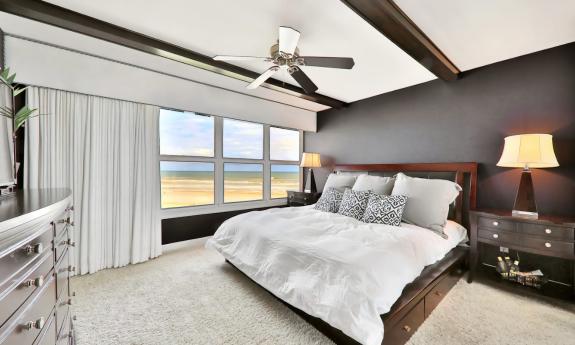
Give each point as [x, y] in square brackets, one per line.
[385, 209]
[353, 203]
[329, 200]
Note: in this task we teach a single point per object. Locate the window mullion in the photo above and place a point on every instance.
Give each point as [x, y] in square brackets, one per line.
[267, 166]
[219, 162]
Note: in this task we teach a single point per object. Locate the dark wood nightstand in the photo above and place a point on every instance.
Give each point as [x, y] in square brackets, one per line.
[302, 198]
[547, 236]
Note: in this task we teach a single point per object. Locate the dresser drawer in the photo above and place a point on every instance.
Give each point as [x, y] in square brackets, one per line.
[62, 274]
[22, 257]
[24, 326]
[62, 223]
[496, 224]
[551, 232]
[48, 335]
[65, 333]
[439, 291]
[405, 328]
[549, 247]
[61, 243]
[498, 237]
[22, 286]
[62, 310]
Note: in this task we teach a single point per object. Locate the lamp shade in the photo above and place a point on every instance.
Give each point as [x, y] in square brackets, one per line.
[528, 151]
[310, 160]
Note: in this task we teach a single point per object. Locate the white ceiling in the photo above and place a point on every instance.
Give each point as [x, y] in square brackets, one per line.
[226, 27]
[474, 33]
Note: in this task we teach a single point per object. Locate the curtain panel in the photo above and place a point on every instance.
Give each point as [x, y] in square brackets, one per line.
[106, 152]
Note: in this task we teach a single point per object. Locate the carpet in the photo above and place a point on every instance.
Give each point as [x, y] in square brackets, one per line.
[190, 295]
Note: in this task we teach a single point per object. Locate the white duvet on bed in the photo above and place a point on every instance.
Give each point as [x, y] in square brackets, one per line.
[334, 267]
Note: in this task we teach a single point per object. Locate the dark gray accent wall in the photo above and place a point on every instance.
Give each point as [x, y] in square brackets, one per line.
[466, 120]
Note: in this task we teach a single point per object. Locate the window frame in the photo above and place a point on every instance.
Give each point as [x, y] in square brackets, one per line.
[219, 160]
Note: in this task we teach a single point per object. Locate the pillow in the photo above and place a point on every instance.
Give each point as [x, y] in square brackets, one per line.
[385, 209]
[329, 201]
[339, 182]
[428, 200]
[377, 184]
[353, 203]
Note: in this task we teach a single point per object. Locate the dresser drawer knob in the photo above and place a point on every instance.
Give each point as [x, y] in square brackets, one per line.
[438, 294]
[37, 282]
[406, 328]
[38, 324]
[495, 236]
[71, 243]
[495, 223]
[71, 269]
[69, 301]
[547, 244]
[548, 231]
[34, 248]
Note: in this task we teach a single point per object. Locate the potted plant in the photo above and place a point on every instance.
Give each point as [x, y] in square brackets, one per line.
[16, 119]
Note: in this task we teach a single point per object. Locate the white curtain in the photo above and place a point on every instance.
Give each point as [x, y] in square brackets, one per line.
[6, 143]
[106, 152]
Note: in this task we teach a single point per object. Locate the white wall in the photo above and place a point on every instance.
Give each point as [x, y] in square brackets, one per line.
[48, 65]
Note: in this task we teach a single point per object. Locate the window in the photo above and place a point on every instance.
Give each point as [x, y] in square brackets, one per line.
[243, 182]
[187, 183]
[187, 134]
[243, 139]
[211, 161]
[283, 178]
[284, 144]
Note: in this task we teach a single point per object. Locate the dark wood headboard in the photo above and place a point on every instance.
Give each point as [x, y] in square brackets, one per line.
[462, 173]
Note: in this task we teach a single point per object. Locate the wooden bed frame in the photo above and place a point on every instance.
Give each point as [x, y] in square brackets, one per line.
[422, 295]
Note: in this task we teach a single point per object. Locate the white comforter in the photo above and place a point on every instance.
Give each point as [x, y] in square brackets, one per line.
[331, 266]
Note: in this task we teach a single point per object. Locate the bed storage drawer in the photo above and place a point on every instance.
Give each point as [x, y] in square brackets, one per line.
[407, 326]
[438, 292]
[16, 291]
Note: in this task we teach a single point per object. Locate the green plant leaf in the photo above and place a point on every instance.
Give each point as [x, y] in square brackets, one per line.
[5, 73]
[19, 90]
[11, 79]
[22, 115]
[5, 111]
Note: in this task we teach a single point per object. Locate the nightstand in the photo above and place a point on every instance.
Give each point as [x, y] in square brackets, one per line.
[546, 236]
[302, 198]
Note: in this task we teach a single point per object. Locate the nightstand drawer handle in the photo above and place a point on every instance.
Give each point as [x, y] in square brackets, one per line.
[495, 236]
[547, 244]
[495, 223]
[548, 231]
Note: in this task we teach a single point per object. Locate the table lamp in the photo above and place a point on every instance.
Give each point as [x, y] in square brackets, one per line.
[310, 160]
[527, 151]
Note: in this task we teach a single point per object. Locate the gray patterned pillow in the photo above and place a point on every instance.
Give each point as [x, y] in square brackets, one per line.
[353, 203]
[385, 209]
[329, 200]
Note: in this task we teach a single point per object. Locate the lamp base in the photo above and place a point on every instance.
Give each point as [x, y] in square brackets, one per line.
[525, 205]
[310, 186]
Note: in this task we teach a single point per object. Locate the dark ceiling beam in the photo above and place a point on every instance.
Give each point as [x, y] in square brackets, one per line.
[64, 18]
[393, 23]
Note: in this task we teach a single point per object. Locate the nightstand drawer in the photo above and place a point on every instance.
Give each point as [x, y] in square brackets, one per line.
[501, 237]
[551, 232]
[496, 224]
[556, 248]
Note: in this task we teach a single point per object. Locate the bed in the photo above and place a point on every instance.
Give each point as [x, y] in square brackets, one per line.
[355, 282]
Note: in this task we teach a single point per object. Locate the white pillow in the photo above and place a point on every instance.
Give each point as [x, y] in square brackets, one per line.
[377, 184]
[428, 200]
[339, 182]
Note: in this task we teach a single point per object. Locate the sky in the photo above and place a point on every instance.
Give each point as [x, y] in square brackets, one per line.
[191, 134]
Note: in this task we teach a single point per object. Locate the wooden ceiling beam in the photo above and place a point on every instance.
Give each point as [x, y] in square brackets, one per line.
[393, 23]
[64, 18]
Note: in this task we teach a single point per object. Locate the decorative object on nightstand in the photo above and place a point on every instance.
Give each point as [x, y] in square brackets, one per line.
[302, 198]
[310, 160]
[546, 236]
[527, 151]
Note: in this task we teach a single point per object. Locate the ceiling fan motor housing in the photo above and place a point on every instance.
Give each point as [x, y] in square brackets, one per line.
[285, 60]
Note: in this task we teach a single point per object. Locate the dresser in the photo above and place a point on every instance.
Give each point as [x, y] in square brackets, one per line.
[546, 236]
[35, 267]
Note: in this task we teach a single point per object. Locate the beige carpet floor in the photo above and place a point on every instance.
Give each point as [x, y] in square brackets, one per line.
[190, 295]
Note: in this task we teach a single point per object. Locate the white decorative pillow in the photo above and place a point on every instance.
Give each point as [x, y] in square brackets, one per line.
[385, 209]
[428, 200]
[377, 184]
[339, 182]
[329, 201]
[353, 203]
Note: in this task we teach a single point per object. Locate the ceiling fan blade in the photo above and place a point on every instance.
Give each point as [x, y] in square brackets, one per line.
[263, 77]
[288, 39]
[239, 58]
[330, 62]
[303, 80]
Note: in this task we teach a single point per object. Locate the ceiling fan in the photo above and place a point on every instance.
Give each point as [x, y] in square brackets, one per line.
[285, 55]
